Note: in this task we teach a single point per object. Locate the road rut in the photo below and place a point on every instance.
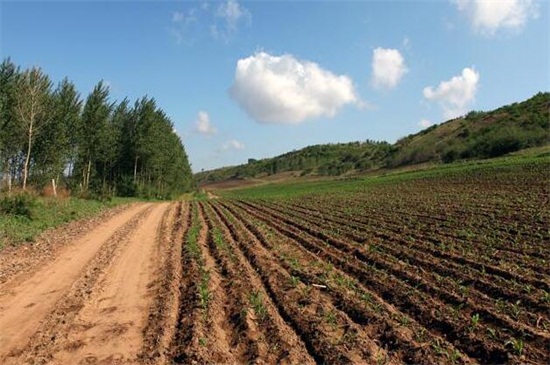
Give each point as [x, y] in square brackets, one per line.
[102, 279]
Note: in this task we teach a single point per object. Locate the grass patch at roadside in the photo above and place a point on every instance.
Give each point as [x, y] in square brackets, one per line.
[24, 216]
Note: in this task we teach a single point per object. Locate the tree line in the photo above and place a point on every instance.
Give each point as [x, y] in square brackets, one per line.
[95, 147]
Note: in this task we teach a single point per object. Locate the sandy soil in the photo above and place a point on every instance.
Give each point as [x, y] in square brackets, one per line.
[89, 302]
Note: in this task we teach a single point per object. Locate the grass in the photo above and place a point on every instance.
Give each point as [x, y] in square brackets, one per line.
[40, 214]
[465, 169]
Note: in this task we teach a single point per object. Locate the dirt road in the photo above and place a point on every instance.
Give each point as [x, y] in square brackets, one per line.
[90, 303]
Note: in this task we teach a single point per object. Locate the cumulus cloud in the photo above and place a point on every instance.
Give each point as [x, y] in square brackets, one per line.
[425, 123]
[283, 89]
[232, 144]
[203, 125]
[388, 67]
[489, 16]
[456, 94]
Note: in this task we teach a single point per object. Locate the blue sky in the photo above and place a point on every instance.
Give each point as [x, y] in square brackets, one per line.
[253, 79]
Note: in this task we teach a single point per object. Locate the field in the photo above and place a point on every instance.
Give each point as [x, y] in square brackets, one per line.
[446, 266]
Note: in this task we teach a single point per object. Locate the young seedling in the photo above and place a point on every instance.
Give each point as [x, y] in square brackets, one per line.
[454, 356]
[204, 295]
[515, 310]
[294, 280]
[257, 303]
[474, 322]
[492, 333]
[331, 319]
[438, 348]
[517, 345]
[546, 296]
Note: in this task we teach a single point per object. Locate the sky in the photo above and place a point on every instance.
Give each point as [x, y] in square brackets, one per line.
[255, 79]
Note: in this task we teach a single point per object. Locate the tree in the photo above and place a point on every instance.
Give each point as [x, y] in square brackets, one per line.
[93, 131]
[56, 145]
[9, 130]
[32, 96]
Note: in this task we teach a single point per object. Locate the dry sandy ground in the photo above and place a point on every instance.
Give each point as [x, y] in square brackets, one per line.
[84, 301]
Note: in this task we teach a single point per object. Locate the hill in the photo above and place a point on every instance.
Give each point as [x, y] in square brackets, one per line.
[477, 135]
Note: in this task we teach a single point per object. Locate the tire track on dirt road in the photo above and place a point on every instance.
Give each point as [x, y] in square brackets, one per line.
[33, 310]
[115, 314]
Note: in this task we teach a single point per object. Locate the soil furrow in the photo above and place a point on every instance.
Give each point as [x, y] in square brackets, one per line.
[451, 327]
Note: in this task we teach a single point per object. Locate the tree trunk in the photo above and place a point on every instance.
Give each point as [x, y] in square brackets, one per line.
[27, 158]
[135, 170]
[87, 180]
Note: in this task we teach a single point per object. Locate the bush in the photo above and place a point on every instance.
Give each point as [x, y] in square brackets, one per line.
[18, 205]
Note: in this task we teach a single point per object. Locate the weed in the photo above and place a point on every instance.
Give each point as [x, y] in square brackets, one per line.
[294, 281]
[203, 341]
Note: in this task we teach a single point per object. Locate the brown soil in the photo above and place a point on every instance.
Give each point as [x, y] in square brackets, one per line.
[317, 280]
[87, 304]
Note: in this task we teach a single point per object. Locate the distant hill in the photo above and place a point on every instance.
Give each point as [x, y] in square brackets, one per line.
[477, 135]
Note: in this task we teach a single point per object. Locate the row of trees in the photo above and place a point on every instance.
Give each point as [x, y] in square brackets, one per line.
[93, 146]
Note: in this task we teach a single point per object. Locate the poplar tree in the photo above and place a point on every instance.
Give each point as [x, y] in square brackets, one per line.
[32, 97]
[95, 117]
[10, 136]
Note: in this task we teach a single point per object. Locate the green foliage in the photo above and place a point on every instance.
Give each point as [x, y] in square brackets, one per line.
[477, 135]
[98, 149]
[326, 160]
[508, 165]
[24, 216]
[20, 205]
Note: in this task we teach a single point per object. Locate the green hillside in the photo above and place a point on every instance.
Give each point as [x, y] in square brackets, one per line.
[477, 135]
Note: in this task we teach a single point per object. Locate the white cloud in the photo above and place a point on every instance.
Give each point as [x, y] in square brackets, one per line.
[221, 21]
[177, 17]
[388, 67]
[455, 95]
[233, 14]
[283, 89]
[203, 125]
[489, 16]
[184, 25]
[425, 123]
[232, 144]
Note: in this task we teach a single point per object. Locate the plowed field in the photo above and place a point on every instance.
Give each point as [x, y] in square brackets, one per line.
[425, 272]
